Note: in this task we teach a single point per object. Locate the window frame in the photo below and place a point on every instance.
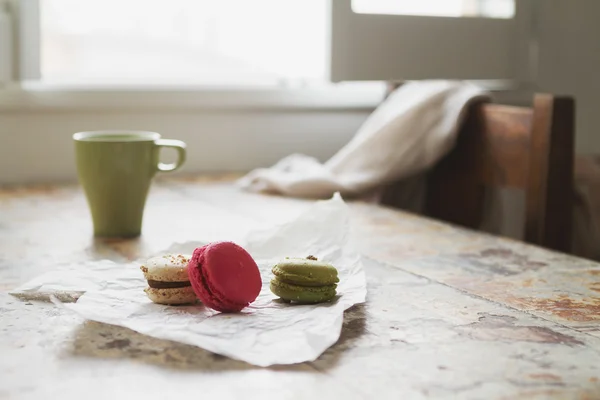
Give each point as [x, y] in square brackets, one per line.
[24, 16]
[25, 92]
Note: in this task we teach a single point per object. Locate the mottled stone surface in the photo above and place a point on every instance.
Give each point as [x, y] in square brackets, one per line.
[450, 313]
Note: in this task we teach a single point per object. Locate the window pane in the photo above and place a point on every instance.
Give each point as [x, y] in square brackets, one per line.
[171, 41]
[440, 8]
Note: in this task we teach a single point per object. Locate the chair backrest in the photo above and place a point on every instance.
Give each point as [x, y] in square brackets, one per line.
[518, 147]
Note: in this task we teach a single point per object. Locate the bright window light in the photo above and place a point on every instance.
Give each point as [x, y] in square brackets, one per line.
[215, 42]
[439, 8]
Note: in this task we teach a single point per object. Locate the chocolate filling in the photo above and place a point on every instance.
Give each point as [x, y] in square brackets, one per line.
[167, 285]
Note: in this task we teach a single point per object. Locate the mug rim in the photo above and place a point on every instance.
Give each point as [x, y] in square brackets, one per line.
[141, 136]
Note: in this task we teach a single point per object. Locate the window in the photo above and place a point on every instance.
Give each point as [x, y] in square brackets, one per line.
[183, 41]
[276, 43]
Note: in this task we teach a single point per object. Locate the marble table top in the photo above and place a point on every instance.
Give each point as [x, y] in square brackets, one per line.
[450, 313]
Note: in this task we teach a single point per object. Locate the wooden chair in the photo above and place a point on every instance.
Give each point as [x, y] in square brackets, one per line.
[519, 147]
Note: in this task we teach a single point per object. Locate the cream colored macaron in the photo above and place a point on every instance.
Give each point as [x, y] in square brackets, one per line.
[168, 281]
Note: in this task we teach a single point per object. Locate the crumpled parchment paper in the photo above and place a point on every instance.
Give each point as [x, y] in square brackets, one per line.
[267, 332]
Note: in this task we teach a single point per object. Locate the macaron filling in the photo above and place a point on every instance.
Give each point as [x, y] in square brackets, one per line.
[167, 285]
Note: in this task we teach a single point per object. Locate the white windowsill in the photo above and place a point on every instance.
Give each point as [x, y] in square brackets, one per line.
[41, 97]
[352, 96]
[226, 129]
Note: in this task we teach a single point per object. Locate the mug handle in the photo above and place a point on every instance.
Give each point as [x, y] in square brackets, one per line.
[175, 144]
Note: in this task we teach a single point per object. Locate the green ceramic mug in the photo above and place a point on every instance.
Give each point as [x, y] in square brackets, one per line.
[116, 169]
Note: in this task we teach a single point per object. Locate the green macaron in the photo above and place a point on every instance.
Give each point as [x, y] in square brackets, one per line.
[304, 280]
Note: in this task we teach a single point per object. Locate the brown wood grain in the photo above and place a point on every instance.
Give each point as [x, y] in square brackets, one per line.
[550, 195]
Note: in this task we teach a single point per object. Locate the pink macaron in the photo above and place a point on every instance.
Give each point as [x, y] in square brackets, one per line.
[224, 276]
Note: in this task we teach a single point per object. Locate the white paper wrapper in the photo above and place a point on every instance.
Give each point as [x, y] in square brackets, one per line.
[267, 332]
